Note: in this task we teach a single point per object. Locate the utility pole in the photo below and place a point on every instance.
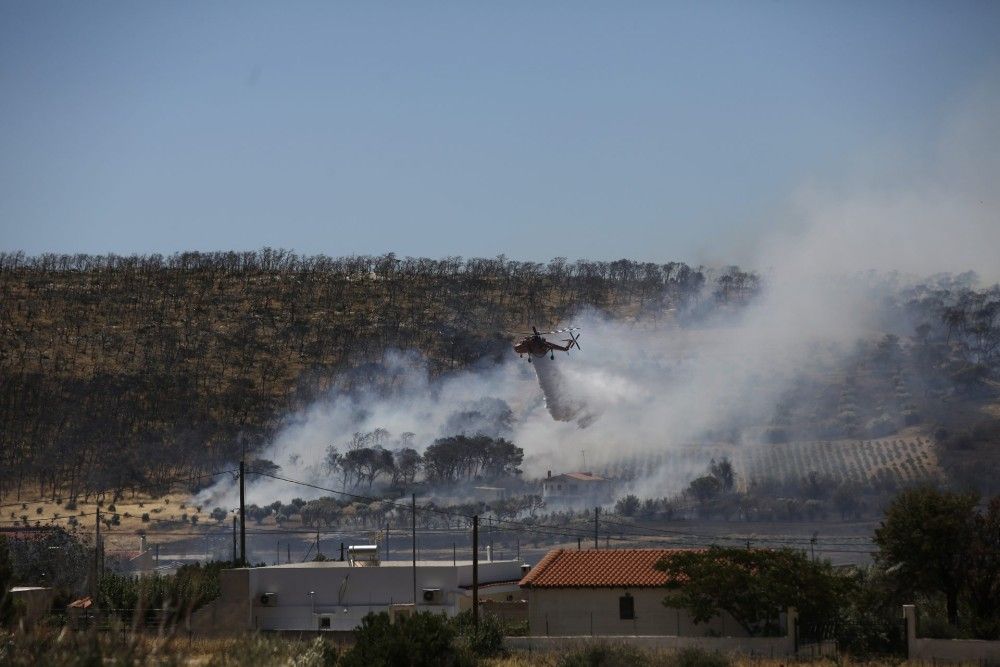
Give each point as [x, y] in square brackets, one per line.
[386, 540]
[288, 552]
[277, 552]
[475, 571]
[413, 499]
[235, 563]
[597, 523]
[243, 515]
[97, 554]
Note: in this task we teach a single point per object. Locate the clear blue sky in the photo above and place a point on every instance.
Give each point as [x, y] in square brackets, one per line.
[536, 129]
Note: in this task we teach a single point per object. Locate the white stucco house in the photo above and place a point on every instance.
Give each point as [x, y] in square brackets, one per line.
[336, 595]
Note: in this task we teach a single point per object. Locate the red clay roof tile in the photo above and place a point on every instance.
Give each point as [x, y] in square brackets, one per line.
[597, 568]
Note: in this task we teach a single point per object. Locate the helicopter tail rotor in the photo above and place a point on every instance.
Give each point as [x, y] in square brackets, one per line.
[573, 341]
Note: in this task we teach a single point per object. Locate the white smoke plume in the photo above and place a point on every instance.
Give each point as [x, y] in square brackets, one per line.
[560, 400]
[680, 394]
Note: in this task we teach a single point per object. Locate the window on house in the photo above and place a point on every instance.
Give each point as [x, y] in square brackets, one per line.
[626, 607]
[324, 622]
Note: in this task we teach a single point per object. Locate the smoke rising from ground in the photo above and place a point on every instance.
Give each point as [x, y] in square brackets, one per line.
[683, 383]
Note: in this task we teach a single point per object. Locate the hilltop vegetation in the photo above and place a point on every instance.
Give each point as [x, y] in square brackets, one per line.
[117, 372]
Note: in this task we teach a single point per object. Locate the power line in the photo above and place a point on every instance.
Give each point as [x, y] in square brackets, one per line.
[566, 531]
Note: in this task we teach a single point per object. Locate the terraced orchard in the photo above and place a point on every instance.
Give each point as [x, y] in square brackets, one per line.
[885, 462]
[895, 459]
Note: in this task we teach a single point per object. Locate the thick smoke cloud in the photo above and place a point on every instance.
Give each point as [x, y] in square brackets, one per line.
[683, 387]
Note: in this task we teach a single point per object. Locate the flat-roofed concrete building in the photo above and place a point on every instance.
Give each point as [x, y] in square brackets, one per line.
[336, 595]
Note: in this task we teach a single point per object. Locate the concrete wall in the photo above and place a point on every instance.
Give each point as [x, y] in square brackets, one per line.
[766, 647]
[946, 650]
[510, 612]
[594, 611]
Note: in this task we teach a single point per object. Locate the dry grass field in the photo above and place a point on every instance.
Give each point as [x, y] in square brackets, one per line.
[61, 648]
[168, 517]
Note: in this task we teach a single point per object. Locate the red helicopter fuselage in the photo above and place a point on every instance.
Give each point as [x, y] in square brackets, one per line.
[538, 346]
[535, 345]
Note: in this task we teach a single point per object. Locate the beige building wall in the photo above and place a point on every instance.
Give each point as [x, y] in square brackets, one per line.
[946, 650]
[595, 611]
[230, 612]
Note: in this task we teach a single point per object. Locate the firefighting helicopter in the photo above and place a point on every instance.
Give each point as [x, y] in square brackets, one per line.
[534, 343]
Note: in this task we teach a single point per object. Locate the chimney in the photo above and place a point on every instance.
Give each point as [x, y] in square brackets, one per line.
[550, 474]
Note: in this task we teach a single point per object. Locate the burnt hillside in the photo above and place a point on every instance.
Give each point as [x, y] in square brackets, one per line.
[124, 370]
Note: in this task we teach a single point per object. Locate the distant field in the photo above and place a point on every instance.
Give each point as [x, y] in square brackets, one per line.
[897, 459]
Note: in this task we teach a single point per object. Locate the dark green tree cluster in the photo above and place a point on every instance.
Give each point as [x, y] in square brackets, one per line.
[755, 586]
[941, 543]
[160, 599]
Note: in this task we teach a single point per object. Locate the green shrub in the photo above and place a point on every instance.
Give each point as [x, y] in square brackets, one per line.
[424, 639]
[486, 640]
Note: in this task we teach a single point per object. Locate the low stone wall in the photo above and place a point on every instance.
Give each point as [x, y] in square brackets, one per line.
[946, 650]
[510, 612]
[765, 647]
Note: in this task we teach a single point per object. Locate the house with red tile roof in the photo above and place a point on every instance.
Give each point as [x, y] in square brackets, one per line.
[609, 592]
[577, 488]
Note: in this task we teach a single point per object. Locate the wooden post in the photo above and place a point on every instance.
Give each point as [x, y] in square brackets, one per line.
[243, 515]
[97, 556]
[597, 514]
[475, 571]
[413, 499]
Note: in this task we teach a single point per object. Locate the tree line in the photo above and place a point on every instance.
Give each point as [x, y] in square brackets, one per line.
[940, 550]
